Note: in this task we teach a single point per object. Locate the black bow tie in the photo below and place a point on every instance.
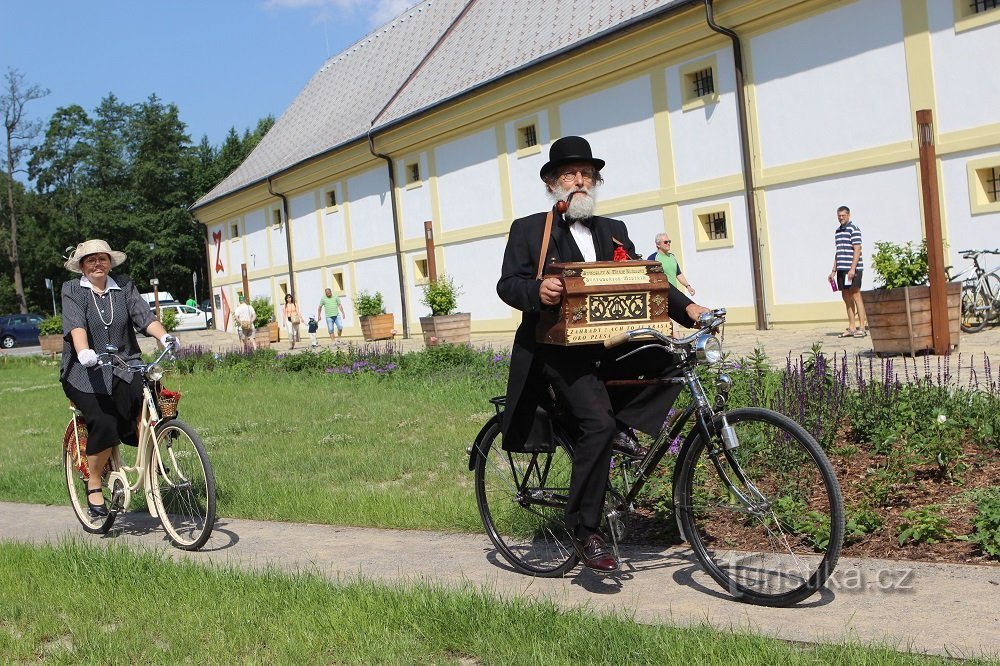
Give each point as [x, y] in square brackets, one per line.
[587, 222]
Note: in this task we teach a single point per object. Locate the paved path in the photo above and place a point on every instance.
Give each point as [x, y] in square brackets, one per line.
[933, 608]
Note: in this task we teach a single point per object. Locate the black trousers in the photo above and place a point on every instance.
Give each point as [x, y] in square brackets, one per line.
[572, 373]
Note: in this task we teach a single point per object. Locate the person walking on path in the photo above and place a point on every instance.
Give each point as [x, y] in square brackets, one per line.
[245, 317]
[290, 315]
[848, 269]
[333, 310]
[671, 267]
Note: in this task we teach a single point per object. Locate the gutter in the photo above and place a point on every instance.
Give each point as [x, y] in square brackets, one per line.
[288, 237]
[760, 307]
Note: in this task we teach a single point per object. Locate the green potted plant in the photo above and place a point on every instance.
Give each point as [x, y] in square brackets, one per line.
[898, 309]
[375, 323]
[267, 328]
[50, 335]
[444, 325]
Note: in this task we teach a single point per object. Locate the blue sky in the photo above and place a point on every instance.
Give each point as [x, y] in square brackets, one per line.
[224, 63]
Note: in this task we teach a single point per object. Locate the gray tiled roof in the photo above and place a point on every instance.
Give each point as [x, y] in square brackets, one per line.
[493, 39]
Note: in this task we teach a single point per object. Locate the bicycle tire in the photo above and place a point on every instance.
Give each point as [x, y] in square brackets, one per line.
[784, 549]
[993, 290]
[975, 307]
[76, 474]
[527, 528]
[183, 484]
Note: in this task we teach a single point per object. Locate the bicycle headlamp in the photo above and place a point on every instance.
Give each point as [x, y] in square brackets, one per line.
[154, 372]
[708, 349]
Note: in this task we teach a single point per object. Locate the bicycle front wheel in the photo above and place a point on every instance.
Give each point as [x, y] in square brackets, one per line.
[183, 484]
[766, 518]
[76, 473]
[976, 305]
[522, 501]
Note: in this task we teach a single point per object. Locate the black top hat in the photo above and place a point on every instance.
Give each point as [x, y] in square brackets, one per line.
[569, 149]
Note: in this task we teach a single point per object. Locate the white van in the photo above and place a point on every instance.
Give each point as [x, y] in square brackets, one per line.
[165, 297]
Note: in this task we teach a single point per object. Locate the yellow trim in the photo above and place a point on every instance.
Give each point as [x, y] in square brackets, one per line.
[700, 224]
[968, 139]
[966, 19]
[325, 199]
[858, 160]
[420, 268]
[503, 165]
[690, 100]
[661, 127]
[979, 201]
[919, 58]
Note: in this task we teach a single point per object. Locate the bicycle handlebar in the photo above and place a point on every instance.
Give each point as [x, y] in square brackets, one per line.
[707, 321]
[110, 355]
[972, 254]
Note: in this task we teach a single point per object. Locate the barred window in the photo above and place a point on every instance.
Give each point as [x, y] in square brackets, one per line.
[715, 226]
[331, 198]
[527, 137]
[702, 82]
[991, 182]
[979, 6]
[276, 217]
[413, 173]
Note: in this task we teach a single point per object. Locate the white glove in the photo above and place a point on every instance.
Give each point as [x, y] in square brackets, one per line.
[87, 358]
[170, 341]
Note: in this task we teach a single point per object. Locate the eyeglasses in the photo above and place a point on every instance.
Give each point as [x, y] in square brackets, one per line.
[568, 175]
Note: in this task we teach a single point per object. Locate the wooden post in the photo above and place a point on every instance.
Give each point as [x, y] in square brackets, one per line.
[246, 283]
[932, 232]
[431, 263]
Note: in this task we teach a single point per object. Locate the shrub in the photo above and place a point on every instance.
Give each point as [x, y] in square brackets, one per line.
[900, 265]
[986, 524]
[169, 319]
[924, 525]
[265, 311]
[51, 326]
[441, 296]
[369, 305]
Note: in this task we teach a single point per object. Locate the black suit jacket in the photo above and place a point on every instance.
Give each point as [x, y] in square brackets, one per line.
[518, 287]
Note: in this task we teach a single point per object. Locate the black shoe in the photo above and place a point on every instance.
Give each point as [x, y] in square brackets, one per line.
[96, 510]
[624, 442]
[596, 554]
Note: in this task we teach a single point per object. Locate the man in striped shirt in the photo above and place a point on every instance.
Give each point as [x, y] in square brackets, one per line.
[847, 271]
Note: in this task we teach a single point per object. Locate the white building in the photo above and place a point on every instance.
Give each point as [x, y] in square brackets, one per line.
[461, 99]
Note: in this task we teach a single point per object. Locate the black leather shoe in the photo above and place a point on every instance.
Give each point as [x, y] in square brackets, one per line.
[96, 510]
[625, 443]
[596, 554]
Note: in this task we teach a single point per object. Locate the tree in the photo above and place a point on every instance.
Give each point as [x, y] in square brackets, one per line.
[18, 134]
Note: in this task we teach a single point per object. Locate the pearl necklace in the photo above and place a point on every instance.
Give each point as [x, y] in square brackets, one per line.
[99, 313]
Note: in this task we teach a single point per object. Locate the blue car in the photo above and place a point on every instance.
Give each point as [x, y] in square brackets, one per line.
[19, 329]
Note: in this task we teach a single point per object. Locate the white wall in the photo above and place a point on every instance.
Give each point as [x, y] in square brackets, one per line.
[415, 202]
[378, 274]
[801, 220]
[475, 267]
[618, 123]
[832, 83]
[309, 287]
[966, 85]
[305, 231]
[722, 276]
[705, 140]
[467, 175]
[334, 227]
[370, 209]
[966, 231]
[279, 243]
[255, 239]
[527, 188]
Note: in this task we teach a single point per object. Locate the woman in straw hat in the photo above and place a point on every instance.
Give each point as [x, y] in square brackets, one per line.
[100, 310]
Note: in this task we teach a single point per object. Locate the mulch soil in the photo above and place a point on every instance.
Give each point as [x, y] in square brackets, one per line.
[980, 469]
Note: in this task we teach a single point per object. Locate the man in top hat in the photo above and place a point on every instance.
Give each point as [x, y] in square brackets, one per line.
[594, 415]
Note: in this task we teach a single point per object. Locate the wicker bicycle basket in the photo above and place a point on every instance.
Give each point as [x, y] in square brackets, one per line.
[167, 402]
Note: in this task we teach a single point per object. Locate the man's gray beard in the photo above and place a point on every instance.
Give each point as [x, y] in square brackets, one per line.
[580, 207]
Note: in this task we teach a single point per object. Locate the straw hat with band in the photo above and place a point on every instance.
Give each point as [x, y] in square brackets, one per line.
[95, 246]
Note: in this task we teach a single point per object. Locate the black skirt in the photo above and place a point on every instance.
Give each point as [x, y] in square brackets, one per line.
[111, 418]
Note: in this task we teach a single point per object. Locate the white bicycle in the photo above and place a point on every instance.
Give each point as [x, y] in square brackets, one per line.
[171, 465]
[980, 292]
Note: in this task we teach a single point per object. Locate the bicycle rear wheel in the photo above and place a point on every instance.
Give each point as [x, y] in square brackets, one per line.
[183, 485]
[522, 501]
[76, 474]
[976, 305]
[782, 545]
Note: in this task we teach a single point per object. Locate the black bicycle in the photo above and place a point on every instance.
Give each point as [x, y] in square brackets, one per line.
[753, 493]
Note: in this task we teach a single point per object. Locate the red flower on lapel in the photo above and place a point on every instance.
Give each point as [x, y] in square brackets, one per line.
[620, 253]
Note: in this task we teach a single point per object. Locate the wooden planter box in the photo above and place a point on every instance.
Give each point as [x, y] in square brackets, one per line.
[455, 329]
[899, 320]
[264, 337]
[275, 331]
[377, 327]
[51, 344]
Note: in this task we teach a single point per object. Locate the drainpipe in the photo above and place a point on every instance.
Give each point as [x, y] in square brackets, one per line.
[288, 236]
[748, 185]
[395, 234]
